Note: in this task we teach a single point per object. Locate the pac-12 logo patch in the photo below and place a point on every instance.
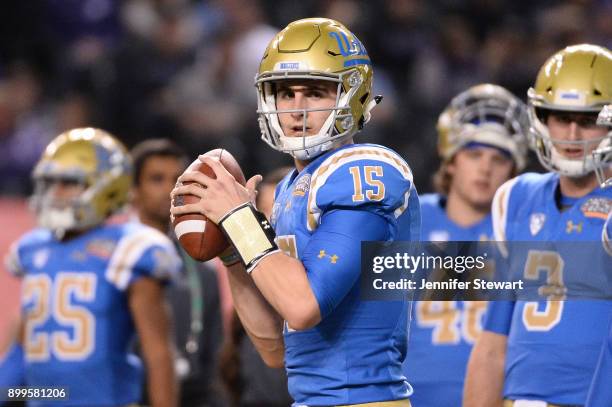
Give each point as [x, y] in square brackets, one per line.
[536, 221]
[40, 258]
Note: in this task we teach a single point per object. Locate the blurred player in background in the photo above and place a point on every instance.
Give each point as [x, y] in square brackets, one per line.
[249, 382]
[89, 286]
[600, 393]
[194, 298]
[550, 347]
[301, 276]
[482, 140]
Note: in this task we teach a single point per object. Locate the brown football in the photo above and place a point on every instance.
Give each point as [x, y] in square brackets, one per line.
[201, 238]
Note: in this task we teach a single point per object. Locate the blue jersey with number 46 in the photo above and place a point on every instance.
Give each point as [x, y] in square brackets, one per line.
[78, 326]
[442, 333]
[321, 215]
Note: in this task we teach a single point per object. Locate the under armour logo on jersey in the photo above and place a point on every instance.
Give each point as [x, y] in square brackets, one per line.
[536, 221]
[265, 224]
[333, 258]
[573, 227]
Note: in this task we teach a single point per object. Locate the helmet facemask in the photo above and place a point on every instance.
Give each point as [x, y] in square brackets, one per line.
[602, 157]
[547, 147]
[338, 126]
[59, 214]
[315, 49]
[602, 161]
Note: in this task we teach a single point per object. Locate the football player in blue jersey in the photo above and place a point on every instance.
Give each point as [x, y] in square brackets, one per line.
[296, 286]
[482, 140]
[544, 353]
[600, 393]
[89, 285]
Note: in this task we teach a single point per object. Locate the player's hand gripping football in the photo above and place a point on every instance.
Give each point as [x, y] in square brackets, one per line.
[217, 196]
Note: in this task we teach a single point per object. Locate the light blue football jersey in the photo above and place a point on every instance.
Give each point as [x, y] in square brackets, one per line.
[321, 215]
[553, 346]
[78, 326]
[442, 333]
[600, 393]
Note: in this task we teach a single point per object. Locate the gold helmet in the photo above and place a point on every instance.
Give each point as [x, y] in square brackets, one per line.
[575, 79]
[602, 157]
[487, 114]
[317, 49]
[91, 158]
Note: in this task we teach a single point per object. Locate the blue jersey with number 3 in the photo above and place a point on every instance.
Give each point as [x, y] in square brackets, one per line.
[553, 346]
[78, 326]
[442, 333]
[600, 393]
[321, 215]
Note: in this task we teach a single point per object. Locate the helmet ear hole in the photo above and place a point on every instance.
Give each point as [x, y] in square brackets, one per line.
[112, 196]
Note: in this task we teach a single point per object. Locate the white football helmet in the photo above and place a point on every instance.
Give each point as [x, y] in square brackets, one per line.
[487, 114]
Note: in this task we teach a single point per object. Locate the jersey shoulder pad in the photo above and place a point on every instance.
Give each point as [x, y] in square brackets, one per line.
[532, 183]
[499, 209]
[142, 251]
[364, 176]
[514, 198]
[28, 243]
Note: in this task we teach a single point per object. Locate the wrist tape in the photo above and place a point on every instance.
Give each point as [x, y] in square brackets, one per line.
[250, 233]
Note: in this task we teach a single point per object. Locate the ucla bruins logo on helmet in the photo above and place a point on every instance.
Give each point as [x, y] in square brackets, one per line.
[575, 79]
[88, 157]
[487, 114]
[316, 49]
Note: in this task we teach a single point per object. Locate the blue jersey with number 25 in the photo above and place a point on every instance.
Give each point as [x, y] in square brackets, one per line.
[78, 327]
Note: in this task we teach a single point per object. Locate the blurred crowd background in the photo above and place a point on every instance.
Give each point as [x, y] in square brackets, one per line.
[184, 68]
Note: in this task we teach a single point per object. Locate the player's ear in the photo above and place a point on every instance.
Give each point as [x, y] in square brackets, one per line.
[450, 167]
[133, 196]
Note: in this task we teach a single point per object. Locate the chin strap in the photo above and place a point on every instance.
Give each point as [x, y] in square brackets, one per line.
[367, 115]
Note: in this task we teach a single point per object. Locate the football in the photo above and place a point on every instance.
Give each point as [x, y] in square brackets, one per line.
[201, 238]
